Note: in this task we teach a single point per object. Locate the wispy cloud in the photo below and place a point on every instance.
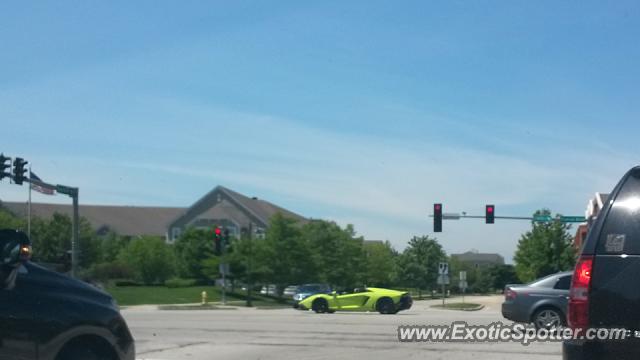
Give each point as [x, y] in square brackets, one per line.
[384, 185]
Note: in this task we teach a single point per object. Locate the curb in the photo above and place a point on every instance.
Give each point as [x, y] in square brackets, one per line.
[439, 307]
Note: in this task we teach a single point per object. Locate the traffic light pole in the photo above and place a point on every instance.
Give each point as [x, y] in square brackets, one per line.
[18, 176]
[489, 217]
[458, 217]
[249, 285]
[529, 218]
[75, 234]
[224, 281]
[75, 225]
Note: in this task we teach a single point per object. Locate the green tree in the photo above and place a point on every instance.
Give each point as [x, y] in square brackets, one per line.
[419, 262]
[193, 249]
[249, 254]
[381, 264]
[545, 249]
[110, 246]
[151, 260]
[52, 241]
[337, 255]
[502, 275]
[10, 221]
[290, 260]
[483, 282]
[456, 266]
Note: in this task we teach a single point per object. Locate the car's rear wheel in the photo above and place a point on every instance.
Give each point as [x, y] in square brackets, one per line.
[320, 306]
[385, 306]
[548, 318]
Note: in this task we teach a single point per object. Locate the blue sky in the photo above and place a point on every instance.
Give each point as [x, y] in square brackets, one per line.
[360, 112]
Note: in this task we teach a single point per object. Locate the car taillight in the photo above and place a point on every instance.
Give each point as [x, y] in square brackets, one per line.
[510, 294]
[579, 293]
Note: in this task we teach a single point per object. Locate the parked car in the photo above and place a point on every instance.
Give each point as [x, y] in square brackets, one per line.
[268, 290]
[542, 302]
[304, 291]
[290, 290]
[46, 315]
[384, 301]
[605, 289]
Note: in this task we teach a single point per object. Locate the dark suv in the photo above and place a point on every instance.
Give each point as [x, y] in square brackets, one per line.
[46, 315]
[605, 291]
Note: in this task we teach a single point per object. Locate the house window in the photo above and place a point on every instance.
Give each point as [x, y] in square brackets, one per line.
[175, 233]
[260, 233]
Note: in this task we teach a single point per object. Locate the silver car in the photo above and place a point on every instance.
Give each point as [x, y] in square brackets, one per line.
[290, 290]
[542, 302]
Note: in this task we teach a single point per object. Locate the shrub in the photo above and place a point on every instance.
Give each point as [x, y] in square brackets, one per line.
[150, 258]
[111, 270]
[126, 282]
[180, 283]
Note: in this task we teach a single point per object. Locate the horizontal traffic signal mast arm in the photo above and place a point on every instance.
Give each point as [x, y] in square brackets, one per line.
[530, 218]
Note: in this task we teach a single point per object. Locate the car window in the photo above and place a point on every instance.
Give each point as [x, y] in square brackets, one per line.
[621, 228]
[546, 282]
[564, 283]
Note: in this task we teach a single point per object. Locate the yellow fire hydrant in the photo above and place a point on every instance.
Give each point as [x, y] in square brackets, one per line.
[204, 298]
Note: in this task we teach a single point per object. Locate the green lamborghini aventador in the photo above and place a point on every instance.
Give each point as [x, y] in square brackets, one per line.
[384, 301]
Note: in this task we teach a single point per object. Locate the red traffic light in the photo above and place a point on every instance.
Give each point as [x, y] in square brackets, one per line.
[437, 217]
[218, 231]
[489, 214]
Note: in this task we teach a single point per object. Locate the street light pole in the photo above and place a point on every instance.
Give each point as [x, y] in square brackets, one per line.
[249, 285]
[76, 232]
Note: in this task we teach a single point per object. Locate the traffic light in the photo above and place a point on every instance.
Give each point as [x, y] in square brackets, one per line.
[490, 214]
[5, 164]
[437, 217]
[217, 239]
[19, 170]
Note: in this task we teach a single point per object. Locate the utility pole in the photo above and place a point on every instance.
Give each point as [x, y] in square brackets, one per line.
[29, 208]
[75, 232]
[249, 285]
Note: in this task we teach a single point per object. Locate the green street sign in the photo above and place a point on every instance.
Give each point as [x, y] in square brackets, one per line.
[573, 219]
[66, 190]
[542, 218]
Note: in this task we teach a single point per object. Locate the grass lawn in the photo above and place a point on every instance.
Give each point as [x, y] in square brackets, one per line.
[458, 306]
[143, 295]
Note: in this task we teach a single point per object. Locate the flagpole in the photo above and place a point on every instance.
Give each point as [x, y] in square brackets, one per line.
[29, 208]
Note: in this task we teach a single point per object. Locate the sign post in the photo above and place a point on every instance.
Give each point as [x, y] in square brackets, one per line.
[443, 279]
[463, 283]
[73, 193]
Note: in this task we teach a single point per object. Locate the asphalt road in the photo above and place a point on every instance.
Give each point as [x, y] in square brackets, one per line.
[243, 333]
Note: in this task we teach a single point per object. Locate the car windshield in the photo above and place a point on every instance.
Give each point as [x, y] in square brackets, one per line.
[214, 174]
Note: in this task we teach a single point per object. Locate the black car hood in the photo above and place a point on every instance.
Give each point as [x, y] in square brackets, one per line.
[40, 275]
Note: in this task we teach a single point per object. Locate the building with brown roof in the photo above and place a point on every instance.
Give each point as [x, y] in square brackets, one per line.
[594, 206]
[478, 259]
[221, 206]
[225, 207]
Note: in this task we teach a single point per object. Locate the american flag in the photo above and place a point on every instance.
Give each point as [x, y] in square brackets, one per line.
[39, 186]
